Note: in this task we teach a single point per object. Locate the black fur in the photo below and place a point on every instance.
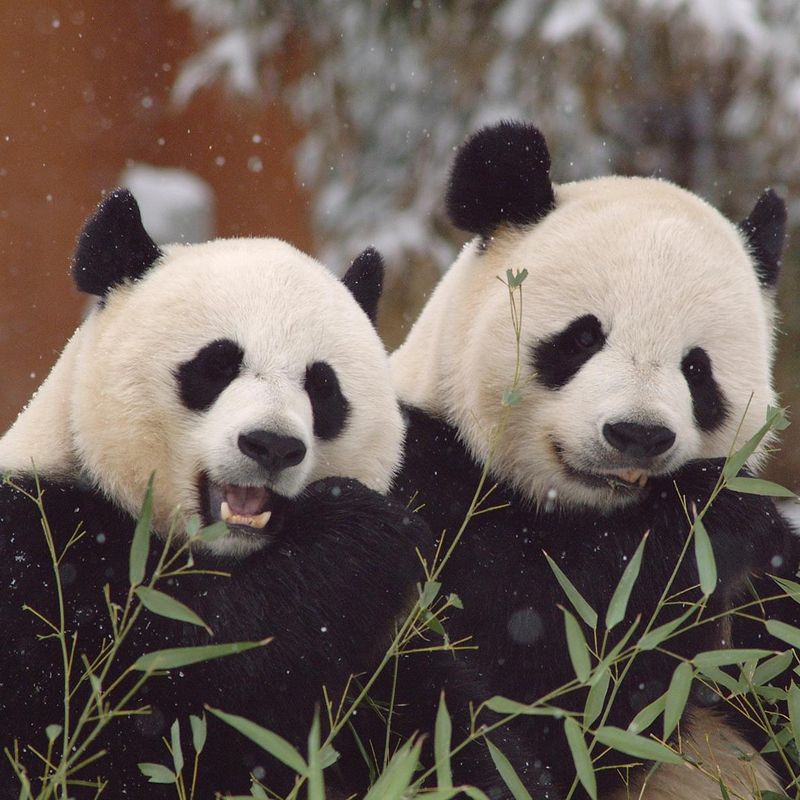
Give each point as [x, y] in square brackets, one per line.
[765, 231]
[329, 590]
[557, 360]
[329, 406]
[500, 175]
[113, 246]
[364, 279]
[708, 401]
[511, 596]
[202, 379]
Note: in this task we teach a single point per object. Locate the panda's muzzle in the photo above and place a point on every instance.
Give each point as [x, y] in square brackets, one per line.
[248, 509]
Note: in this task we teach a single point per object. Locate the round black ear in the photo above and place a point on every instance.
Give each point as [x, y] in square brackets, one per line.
[364, 279]
[113, 246]
[765, 232]
[500, 174]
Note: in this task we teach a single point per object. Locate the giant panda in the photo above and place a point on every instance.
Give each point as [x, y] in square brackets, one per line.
[250, 383]
[644, 356]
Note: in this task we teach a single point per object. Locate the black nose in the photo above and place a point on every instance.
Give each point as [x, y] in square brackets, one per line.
[638, 441]
[272, 451]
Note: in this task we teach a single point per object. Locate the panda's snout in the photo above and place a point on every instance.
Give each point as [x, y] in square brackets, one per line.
[638, 441]
[271, 450]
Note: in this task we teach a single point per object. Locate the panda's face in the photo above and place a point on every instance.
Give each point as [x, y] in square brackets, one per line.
[239, 371]
[645, 343]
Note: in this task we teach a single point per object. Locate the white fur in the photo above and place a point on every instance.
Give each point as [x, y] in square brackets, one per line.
[110, 412]
[662, 270]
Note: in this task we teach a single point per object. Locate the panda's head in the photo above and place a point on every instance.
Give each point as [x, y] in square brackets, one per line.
[239, 371]
[646, 332]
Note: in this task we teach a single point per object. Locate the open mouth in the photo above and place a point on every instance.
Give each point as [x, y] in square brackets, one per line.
[249, 510]
[626, 480]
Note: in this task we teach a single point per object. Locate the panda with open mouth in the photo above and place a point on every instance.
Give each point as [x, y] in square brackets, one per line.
[643, 354]
[251, 384]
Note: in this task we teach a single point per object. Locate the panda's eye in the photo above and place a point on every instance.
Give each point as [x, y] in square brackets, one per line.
[203, 378]
[557, 359]
[696, 366]
[328, 404]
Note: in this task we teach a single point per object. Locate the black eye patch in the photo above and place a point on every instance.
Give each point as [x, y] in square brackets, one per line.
[557, 360]
[328, 404]
[708, 402]
[202, 379]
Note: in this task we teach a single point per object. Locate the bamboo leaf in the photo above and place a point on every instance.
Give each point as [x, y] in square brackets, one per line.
[53, 732]
[576, 646]
[175, 746]
[784, 632]
[721, 658]
[722, 678]
[268, 741]
[647, 716]
[316, 781]
[585, 611]
[677, 696]
[619, 600]
[183, 656]
[140, 546]
[429, 592]
[508, 773]
[198, 725]
[157, 773]
[442, 738]
[213, 533]
[792, 588]
[396, 778]
[758, 486]
[776, 420]
[637, 746]
[772, 667]
[793, 703]
[655, 637]
[704, 555]
[596, 698]
[502, 705]
[166, 606]
[580, 756]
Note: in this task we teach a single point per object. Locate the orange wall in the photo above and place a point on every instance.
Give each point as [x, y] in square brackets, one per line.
[83, 87]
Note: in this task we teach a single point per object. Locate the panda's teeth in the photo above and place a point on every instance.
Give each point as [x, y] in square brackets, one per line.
[636, 476]
[258, 521]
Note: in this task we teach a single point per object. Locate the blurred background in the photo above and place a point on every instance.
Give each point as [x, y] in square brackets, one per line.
[331, 123]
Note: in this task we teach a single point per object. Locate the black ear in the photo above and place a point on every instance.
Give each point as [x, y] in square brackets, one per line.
[500, 174]
[364, 279]
[113, 246]
[765, 232]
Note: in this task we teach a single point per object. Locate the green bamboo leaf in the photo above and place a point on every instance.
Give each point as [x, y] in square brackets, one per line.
[776, 420]
[619, 600]
[721, 658]
[433, 622]
[193, 525]
[637, 746]
[772, 667]
[596, 698]
[647, 716]
[758, 486]
[784, 632]
[213, 533]
[442, 738]
[177, 750]
[140, 546]
[677, 696]
[502, 705]
[398, 775]
[793, 703]
[508, 773]
[257, 792]
[268, 741]
[655, 637]
[580, 756]
[157, 773]
[183, 656]
[792, 588]
[166, 606]
[585, 611]
[316, 781]
[328, 756]
[455, 600]
[722, 678]
[704, 554]
[429, 592]
[53, 732]
[198, 725]
[576, 646]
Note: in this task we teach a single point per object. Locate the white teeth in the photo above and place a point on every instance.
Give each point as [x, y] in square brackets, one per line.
[258, 521]
[633, 476]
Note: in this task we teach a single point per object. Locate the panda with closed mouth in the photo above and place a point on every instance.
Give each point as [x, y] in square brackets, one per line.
[644, 356]
[251, 382]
